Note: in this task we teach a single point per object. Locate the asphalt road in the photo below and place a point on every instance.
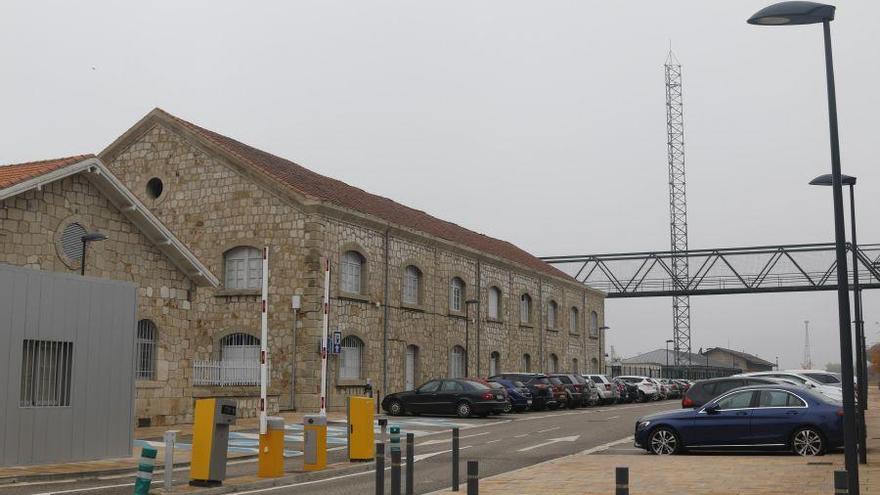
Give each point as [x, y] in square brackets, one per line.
[500, 444]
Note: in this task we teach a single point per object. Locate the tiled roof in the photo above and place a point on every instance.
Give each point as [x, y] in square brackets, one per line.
[324, 188]
[662, 356]
[744, 355]
[13, 174]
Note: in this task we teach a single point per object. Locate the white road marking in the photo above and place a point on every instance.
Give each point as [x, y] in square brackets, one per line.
[493, 441]
[545, 430]
[78, 490]
[520, 436]
[475, 435]
[605, 446]
[550, 442]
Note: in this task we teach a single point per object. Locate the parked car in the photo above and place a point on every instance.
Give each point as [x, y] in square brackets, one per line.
[629, 392]
[446, 396]
[559, 393]
[518, 395]
[829, 390]
[822, 376]
[756, 417]
[538, 384]
[674, 389]
[703, 391]
[574, 389]
[591, 394]
[662, 390]
[608, 392]
[684, 384]
[646, 388]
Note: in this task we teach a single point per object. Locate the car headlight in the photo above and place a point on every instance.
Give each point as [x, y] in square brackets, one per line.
[642, 425]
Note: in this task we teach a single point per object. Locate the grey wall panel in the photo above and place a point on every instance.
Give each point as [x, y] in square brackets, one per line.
[98, 317]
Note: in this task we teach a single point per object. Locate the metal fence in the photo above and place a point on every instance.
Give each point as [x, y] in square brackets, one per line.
[227, 373]
[692, 372]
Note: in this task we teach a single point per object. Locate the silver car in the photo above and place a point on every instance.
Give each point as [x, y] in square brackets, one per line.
[608, 392]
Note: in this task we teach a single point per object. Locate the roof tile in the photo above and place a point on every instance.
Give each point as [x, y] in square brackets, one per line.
[17, 173]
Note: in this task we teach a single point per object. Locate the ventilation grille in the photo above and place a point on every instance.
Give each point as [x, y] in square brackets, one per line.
[71, 241]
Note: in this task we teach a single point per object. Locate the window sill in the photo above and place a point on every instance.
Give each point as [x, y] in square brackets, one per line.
[351, 382]
[237, 292]
[594, 337]
[526, 325]
[148, 384]
[413, 307]
[351, 296]
[554, 330]
[493, 320]
[574, 334]
[456, 314]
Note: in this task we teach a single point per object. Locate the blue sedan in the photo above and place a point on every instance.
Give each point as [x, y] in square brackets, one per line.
[756, 417]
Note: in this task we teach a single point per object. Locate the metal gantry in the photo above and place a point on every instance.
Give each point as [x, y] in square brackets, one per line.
[742, 270]
[678, 226]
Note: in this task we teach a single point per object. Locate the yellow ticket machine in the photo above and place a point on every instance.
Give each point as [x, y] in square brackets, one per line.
[271, 457]
[210, 440]
[314, 442]
[361, 435]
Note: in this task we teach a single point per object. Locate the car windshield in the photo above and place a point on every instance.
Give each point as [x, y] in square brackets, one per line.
[631, 379]
[555, 381]
[519, 384]
[542, 380]
[477, 386]
[823, 377]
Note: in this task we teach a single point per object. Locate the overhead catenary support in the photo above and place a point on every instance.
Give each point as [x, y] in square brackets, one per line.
[264, 341]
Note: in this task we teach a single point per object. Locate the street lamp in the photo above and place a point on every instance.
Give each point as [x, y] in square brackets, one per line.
[795, 13]
[467, 333]
[86, 239]
[667, 357]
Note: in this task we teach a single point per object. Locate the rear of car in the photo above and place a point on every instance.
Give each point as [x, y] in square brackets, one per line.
[484, 399]
[703, 391]
[574, 389]
[518, 395]
[608, 392]
[646, 389]
[559, 393]
[539, 386]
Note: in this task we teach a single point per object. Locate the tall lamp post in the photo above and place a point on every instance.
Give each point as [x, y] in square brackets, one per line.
[86, 239]
[467, 333]
[795, 13]
[861, 352]
[602, 354]
[667, 358]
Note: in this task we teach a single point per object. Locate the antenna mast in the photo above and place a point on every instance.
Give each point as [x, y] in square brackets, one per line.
[678, 228]
[807, 363]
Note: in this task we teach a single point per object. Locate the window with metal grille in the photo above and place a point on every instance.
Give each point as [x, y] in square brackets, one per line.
[594, 324]
[494, 363]
[456, 294]
[146, 350]
[573, 315]
[71, 241]
[244, 268]
[350, 358]
[527, 363]
[551, 314]
[46, 373]
[525, 308]
[553, 364]
[456, 362]
[240, 347]
[352, 272]
[494, 302]
[412, 281]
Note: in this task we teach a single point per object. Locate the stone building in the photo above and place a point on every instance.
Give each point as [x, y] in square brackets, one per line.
[739, 359]
[45, 209]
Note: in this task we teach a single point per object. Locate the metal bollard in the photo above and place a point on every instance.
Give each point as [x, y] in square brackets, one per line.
[621, 481]
[841, 486]
[170, 440]
[383, 424]
[455, 459]
[380, 469]
[395, 471]
[410, 463]
[473, 478]
[145, 471]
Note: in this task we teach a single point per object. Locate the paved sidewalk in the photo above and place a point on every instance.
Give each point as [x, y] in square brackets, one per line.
[151, 436]
[714, 474]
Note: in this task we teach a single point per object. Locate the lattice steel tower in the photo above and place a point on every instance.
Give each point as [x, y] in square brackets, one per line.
[678, 226]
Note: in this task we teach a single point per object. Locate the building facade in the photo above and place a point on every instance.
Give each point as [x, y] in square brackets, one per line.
[739, 359]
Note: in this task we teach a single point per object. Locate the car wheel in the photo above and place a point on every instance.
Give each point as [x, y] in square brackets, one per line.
[641, 397]
[664, 441]
[463, 409]
[395, 408]
[807, 442]
[507, 407]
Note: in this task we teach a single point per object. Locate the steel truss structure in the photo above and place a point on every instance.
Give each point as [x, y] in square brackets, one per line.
[743, 270]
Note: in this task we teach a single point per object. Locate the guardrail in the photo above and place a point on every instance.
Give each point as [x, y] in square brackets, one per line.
[227, 373]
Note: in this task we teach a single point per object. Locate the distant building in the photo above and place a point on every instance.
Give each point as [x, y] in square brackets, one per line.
[662, 363]
[738, 359]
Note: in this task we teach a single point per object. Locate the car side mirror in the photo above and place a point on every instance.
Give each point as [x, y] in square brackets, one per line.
[712, 409]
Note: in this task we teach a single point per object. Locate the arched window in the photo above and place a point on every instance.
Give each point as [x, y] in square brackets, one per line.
[594, 365]
[594, 324]
[494, 363]
[244, 268]
[456, 295]
[240, 347]
[350, 359]
[457, 357]
[146, 350]
[494, 303]
[553, 364]
[525, 308]
[527, 363]
[573, 325]
[351, 272]
[574, 366]
[412, 285]
[551, 315]
[411, 367]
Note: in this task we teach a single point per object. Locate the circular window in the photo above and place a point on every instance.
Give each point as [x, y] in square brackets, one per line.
[71, 241]
[154, 188]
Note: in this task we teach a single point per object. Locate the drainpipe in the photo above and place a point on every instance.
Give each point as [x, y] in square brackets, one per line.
[541, 324]
[295, 305]
[479, 313]
[385, 319]
[586, 328]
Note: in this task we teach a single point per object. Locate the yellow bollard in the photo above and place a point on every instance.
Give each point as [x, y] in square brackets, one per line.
[361, 435]
[271, 457]
[210, 440]
[315, 443]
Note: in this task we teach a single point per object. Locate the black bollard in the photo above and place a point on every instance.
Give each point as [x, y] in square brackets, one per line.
[621, 481]
[455, 459]
[473, 478]
[841, 486]
[395, 471]
[380, 469]
[410, 463]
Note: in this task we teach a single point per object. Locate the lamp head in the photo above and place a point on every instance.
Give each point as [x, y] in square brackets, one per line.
[94, 236]
[825, 180]
[793, 13]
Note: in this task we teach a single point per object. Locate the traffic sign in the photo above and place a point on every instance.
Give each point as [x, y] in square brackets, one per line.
[337, 342]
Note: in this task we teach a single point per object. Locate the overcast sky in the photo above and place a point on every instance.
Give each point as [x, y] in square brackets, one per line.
[542, 123]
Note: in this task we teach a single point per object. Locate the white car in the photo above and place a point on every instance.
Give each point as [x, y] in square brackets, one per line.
[608, 393]
[822, 376]
[827, 390]
[648, 389]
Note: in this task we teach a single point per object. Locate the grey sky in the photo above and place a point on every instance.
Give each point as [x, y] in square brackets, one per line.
[542, 123]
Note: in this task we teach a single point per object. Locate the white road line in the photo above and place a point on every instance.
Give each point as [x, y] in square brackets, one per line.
[493, 441]
[520, 436]
[545, 430]
[605, 446]
[78, 490]
[30, 483]
[475, 435]
[550, 442]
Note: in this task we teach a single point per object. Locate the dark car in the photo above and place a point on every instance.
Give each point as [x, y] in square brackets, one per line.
[702, 391]
[629, 392]
[448, 396]
[574, 389]
[538, 384]
[518, 394]
[559, 393]
[776, 417]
